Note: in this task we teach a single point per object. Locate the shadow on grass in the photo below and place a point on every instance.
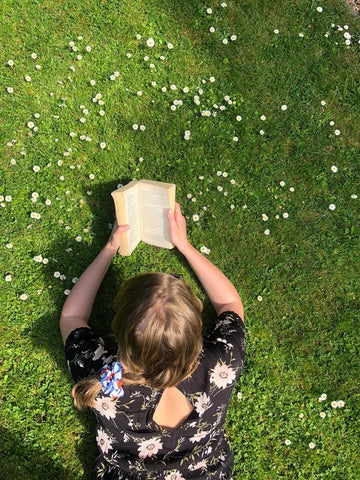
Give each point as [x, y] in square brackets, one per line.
[27, 462]
[46, 333]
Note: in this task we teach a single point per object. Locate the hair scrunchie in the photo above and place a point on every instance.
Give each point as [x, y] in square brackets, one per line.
[111, 380]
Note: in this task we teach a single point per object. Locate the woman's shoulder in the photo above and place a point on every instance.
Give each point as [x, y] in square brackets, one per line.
[228, 324]
[226, 343]
[86, 353]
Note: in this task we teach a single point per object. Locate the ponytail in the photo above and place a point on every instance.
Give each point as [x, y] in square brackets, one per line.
[85, 392]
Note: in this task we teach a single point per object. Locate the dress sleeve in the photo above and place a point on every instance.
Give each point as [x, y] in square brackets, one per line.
[227, 340]
[85, 353]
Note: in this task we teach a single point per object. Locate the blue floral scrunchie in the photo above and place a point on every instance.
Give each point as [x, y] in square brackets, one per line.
[111, 380]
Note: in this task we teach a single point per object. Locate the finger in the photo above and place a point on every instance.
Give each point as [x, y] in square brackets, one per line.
[123, 228]
[170, 215]
[178, 213]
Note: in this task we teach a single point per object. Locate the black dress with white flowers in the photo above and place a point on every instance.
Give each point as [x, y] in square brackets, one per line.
[131, 445]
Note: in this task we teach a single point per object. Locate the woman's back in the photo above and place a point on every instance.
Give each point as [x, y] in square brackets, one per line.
[173, 409]
[133, 433]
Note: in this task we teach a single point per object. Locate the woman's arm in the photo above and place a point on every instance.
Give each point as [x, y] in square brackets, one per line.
[221, 292]
[78, 305]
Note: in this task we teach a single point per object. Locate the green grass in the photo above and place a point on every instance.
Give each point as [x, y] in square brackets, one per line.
[303, 337]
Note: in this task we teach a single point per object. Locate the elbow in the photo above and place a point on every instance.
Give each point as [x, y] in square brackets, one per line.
[234, 305]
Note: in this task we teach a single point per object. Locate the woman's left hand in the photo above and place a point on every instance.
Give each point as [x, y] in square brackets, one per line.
[114, 241]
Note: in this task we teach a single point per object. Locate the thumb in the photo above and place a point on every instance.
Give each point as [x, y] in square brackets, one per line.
[123, 228]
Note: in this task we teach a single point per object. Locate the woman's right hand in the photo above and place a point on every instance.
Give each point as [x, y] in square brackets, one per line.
[221, 292]
[177, 228]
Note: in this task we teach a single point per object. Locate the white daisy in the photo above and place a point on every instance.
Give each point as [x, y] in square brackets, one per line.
[198, 436]
[222, 375]
[150, 447]
[202, 464]
[106, 407]
[103, 440]
[202, 404]
[174, 475]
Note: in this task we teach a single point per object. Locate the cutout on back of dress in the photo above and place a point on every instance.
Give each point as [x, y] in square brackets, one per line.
[173, 409]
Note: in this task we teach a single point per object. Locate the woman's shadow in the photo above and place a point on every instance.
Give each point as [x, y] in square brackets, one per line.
[46, 333]
[103, 213]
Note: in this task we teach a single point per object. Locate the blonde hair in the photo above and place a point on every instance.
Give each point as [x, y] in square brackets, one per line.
[157, 325]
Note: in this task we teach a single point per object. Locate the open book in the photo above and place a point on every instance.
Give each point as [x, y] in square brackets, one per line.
[143, 204]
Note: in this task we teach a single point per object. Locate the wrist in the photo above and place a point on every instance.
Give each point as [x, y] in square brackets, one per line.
[111, 249]
[186, 248]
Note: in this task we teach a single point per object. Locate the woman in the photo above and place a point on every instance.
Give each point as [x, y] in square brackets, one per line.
[161, 401]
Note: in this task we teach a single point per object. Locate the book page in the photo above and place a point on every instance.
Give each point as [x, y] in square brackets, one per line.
[131, 206]
[156, 198]
[126, 201]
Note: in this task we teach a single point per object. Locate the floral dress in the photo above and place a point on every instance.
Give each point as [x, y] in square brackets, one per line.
[131, 445]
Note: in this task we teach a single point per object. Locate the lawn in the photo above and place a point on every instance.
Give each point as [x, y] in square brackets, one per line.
[253, 109]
